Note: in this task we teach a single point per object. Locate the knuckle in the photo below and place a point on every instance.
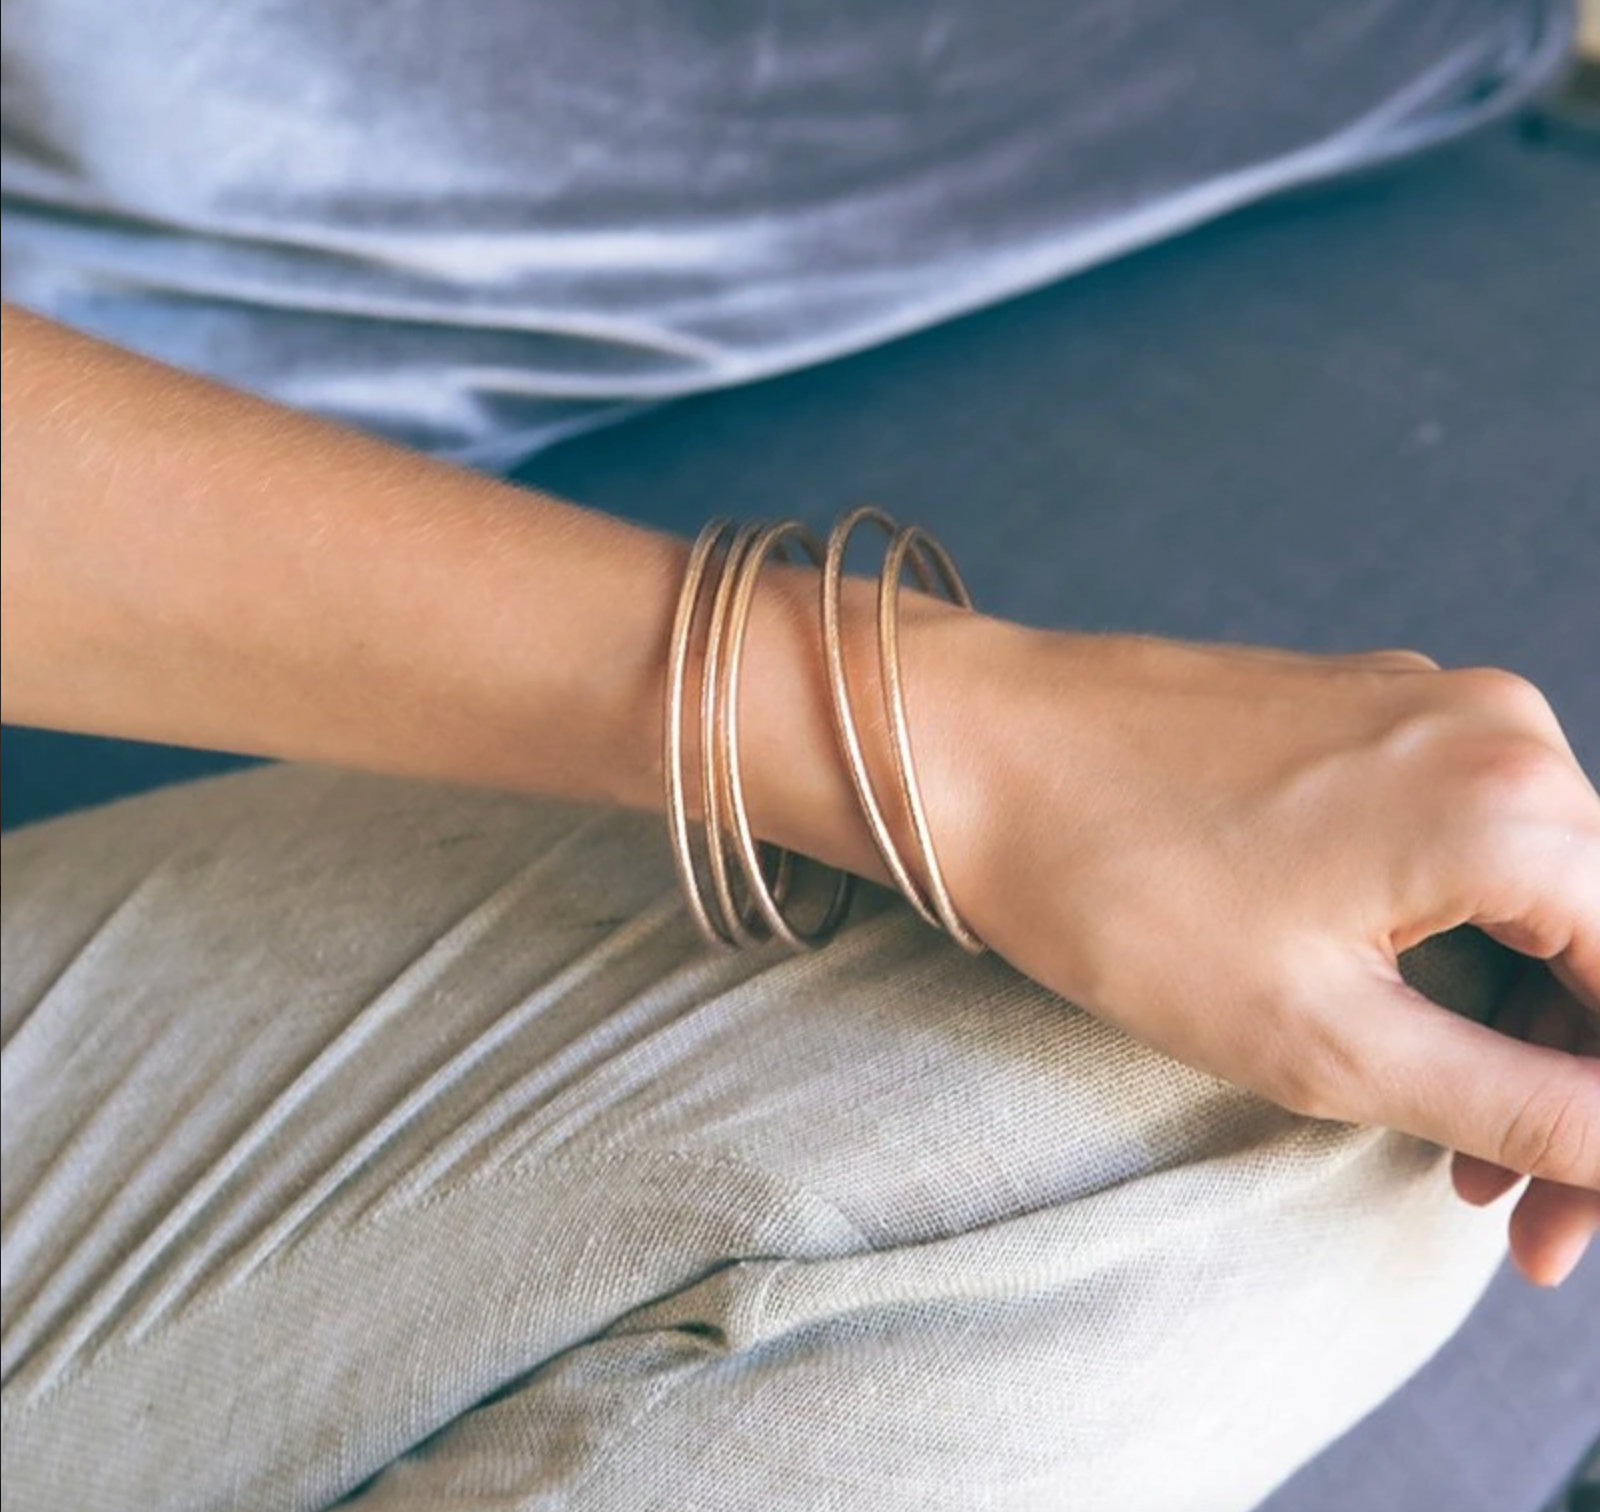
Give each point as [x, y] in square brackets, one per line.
[1556, 1133]
[1404, 659]
[1507, 696]
[1512, 776]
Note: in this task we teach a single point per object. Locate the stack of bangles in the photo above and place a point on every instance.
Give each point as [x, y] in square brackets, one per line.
[749, 881]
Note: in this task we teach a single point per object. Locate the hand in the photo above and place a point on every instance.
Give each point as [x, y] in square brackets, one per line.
[1225, 851]
[1552, 1222]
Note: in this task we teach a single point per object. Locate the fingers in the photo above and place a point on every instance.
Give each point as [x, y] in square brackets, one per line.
[1550, 1229]
[1415, 1066]
[1551, 1225]
[1535, 867]
[1578, 970]
[1548, 906]
[1480, 1182]
[1562, 929]
[1534, 1012]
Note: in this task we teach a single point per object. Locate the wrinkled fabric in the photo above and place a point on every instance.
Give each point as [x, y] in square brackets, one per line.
[477, 228]
[370, 1139]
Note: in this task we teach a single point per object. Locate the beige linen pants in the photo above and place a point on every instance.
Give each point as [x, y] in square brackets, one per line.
[371, 1140]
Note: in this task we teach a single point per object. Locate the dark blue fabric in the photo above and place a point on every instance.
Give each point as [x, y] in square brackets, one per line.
[43, 773]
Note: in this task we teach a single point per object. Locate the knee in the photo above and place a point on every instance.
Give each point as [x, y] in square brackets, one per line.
[1183, 1340]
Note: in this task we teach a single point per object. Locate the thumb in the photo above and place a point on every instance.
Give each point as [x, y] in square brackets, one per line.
[1429, 1072]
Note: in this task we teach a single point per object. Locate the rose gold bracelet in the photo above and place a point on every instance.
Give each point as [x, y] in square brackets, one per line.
[933, 569]
[743, 929]
[906, 543]
[718, 593]
[844, 714]
[773, 540]
[708, 562]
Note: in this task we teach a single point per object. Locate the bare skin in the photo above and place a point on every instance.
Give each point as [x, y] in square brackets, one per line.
[1259, 833]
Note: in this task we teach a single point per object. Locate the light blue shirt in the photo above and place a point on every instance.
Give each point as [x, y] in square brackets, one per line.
[477, 227]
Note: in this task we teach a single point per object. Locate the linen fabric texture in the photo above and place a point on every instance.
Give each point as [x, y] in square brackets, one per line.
[371, 1140]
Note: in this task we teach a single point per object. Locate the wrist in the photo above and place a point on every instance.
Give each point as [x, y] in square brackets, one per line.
[799, 787]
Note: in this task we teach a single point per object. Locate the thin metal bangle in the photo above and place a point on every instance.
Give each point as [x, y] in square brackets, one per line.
[712, 540]
[739, 927]
[844, 715]
[773, 540]
[726, 562]
[706, 912]
[904, 545]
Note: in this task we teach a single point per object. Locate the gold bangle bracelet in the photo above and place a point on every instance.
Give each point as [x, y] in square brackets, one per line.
[741, 927]
[716, 599]
[701, 560]
[844, 715]
[718, 917]
[773, 540]
[906, 544]
[708, 553]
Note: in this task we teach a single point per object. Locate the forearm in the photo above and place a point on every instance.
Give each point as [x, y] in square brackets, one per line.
[187, 564]
[1222, 850]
